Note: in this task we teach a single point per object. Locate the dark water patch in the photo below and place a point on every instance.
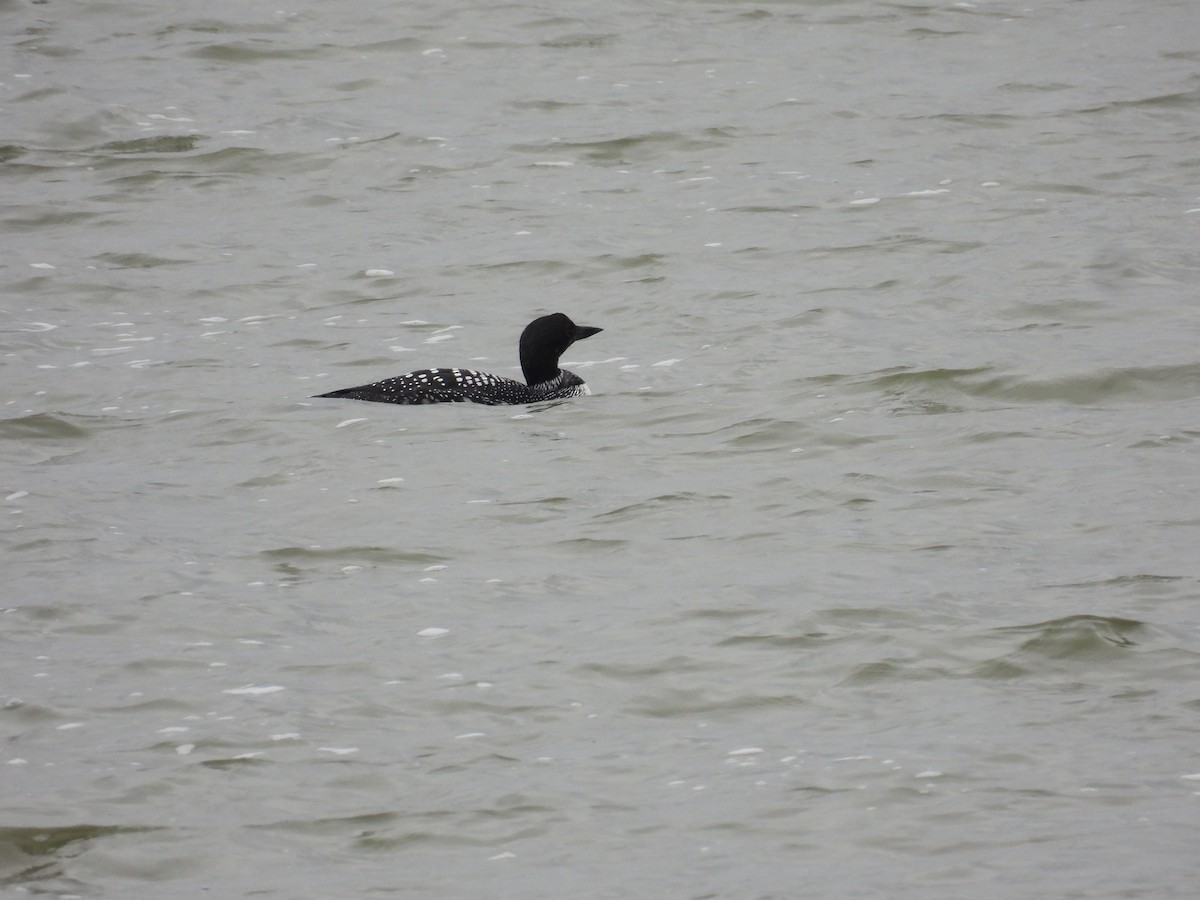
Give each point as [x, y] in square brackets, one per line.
[574, 270]
[551, 21]
[890, 671]
[788, 210]
[1136, 582]
[876, 625]
[633, 148]
[449, 840]
[392, 45]
[778, 434]
[457, 825]
[1158, 383]
[721, 614]
[612, 262]
[158, 707]
[1173, 440]
[972, 120]
[522, 512]
[590, 546]
[926, 33]
[908, 378]
[544, 105]
[749, 429]
[138, 260]
[220, 26]
[41, 427]
[683, 703]
[1057, 187]
[366, 361]
[54, 51]
[356, 86]
[37, 94]
[152, 666]
[199, 362]
[584, 40]
[1000, 670]
[775, 641]
[664, 501]
[940, 387]
[43, 220]
[334, 826]
[256, 51]
[1026, 87]
[28, 854]
[1073, 642]
[216, 164]
[377, 555]
[181, 143]
[319, 201]
[233, 433]
[806, 319]
[18, 712]
[230, 762]
[45, 612]
[578, 269]
[259, 481]
[402, 138]
[1063, 312]
[1181, 100]
[897, 243]
[925, 407]
[554, 267]
[631, 672]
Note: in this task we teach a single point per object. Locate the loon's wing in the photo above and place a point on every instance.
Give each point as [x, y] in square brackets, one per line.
[440, 386]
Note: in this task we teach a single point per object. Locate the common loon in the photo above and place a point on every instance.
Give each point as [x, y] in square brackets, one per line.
[543, 342]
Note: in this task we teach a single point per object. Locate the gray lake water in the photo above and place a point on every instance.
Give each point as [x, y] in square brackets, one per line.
[870, 569]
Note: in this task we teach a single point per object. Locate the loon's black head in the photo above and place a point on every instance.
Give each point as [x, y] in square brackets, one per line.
[544, 340]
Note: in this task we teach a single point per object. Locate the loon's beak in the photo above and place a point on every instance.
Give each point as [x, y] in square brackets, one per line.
[584, 331]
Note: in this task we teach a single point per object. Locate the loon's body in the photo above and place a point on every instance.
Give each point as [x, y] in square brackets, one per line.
[543, 343]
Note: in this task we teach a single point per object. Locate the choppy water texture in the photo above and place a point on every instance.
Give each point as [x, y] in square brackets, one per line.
[870, 569]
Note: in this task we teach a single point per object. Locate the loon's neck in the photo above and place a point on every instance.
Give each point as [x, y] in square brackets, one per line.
[540, 374]
[561, 379]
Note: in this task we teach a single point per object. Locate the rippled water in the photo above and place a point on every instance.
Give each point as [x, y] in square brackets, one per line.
[869, 570]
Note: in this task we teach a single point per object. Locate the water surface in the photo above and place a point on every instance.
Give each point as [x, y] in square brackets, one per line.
[869, 570]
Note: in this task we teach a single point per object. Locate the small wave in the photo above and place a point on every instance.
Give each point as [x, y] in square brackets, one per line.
[1073, 635]
[40, 426]
[48, 840]
[942, 386]
[166, 143]
[368, 554]
[1081, 643]
[632, 148]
